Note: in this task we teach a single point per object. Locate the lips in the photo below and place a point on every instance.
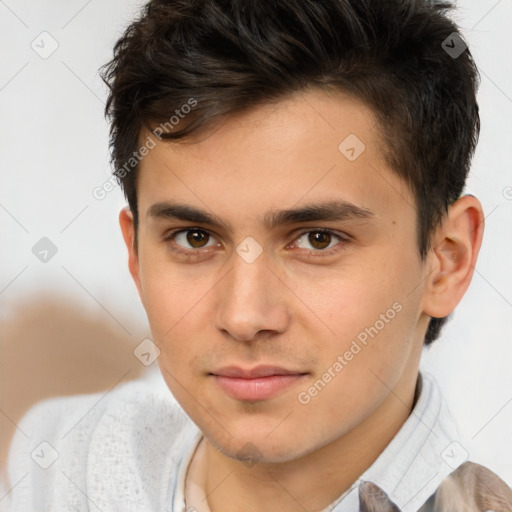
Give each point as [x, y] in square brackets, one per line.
[254, 373]
[260, 383]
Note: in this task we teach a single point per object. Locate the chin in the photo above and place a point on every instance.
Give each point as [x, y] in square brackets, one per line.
[251, 449]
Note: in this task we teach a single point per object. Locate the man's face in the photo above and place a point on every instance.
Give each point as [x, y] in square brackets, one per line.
[279, 334]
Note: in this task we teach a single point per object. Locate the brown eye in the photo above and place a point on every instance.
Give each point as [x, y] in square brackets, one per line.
[197, 238]
[192, 238]
[319, 239]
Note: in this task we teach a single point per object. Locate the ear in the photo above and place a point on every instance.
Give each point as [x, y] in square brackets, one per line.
[128, 230]
[452, 257]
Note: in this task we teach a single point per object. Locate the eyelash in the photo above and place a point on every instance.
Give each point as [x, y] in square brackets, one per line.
[198, 253]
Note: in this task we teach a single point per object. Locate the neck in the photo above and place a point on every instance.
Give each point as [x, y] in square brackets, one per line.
[313, 481]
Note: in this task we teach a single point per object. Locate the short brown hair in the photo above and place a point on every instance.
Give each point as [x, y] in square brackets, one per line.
[405, 59]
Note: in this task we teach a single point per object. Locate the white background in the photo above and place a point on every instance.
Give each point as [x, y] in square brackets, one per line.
[54, 151]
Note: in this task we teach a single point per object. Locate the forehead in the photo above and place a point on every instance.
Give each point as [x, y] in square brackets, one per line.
[312, 146]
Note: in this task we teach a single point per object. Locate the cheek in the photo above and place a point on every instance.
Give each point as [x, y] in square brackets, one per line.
[371, 319]
[346, 300]
[356, 373]
[174, 304]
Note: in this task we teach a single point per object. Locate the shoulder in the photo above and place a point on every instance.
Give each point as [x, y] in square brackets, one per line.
[473, 486]
[469, 484]
[121, 436]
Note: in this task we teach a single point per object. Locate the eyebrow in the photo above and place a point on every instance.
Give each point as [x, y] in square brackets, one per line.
[328, 211]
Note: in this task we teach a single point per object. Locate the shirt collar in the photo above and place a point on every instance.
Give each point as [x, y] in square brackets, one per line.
[409, 469]
[415, 462]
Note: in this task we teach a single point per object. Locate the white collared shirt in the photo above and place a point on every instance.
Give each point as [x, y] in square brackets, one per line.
[422, 453]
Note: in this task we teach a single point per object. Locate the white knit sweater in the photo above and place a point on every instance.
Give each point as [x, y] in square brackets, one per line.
[116, 452]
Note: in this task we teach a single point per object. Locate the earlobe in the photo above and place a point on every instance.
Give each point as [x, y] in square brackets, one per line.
[128, 231]
[453, 256]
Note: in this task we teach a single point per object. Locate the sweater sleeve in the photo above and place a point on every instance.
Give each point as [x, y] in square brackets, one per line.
[115, 451]
[48, 456]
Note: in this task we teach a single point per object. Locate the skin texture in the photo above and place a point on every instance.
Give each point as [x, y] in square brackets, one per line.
[298, 305]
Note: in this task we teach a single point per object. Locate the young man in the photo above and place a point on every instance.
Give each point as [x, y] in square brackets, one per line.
[297, 232]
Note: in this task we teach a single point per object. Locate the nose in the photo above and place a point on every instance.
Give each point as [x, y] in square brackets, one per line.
[251, 301]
